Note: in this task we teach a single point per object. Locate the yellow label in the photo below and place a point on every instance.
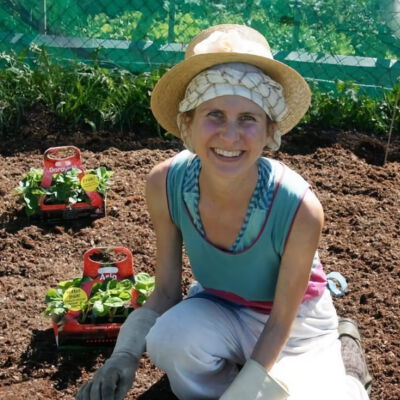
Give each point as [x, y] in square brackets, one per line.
[89, 182]
[75, 297]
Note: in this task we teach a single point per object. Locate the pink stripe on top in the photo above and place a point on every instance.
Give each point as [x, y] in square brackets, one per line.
[316, 287]
[316, 284]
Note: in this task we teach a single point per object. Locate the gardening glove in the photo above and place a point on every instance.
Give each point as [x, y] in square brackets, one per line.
[255, 383]
[115, 378]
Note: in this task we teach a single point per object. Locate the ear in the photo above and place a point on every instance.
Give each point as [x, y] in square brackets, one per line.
[272, 126]
[186, 119]
[185, 128]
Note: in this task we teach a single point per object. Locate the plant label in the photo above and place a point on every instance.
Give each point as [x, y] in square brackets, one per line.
[90, 182]
[75, 297]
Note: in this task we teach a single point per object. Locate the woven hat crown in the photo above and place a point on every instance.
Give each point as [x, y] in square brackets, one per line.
[232, 37]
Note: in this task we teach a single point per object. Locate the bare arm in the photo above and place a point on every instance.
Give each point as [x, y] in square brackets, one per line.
[114, 379]
[292, 280]
[169, 243]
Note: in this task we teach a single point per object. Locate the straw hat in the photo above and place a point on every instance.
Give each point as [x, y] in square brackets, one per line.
[223, 44]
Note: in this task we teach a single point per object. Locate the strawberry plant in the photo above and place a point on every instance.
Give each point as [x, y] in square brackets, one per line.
[30, 190]
[109, 299]
[56, 306]
[144, 284]
[65, 188]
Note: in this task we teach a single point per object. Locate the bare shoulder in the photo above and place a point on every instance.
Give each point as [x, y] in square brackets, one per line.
[156, 179]
[310, 212]
[156, 192]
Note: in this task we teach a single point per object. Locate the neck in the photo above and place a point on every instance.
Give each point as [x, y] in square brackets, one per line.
[222, 189]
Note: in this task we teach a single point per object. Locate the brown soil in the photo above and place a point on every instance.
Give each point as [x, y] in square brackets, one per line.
[361, 240]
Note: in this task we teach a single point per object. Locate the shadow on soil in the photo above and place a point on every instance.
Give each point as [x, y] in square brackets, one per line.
[42, 356]
[160, 390]
[15, 221]
[65, 367]
[369, 148]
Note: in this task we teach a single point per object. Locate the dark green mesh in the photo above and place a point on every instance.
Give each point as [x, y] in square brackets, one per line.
[326, 40]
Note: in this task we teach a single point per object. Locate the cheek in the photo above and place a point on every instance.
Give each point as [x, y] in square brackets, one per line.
[209, 126]
[203, 130]
[257, 134]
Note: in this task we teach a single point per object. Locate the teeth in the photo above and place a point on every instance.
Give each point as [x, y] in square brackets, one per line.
[227, 153]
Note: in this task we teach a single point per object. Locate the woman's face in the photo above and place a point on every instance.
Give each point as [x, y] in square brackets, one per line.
[229, 133]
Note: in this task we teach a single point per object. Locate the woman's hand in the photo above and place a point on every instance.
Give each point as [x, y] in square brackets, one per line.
[112, 381]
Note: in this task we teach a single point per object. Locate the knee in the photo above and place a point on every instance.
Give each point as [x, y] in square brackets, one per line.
[167, 339]
[178, 337]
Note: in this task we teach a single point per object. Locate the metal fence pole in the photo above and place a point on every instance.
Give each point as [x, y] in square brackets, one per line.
[171, 22]
[45, 17]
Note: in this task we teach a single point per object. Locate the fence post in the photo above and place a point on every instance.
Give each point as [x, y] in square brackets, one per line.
[44, 17]
[171, 22]
[396, 102]
[296, 25]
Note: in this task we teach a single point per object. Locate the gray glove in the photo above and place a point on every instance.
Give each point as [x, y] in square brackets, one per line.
[114, 379]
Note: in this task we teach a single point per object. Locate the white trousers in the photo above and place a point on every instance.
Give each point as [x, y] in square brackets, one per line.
[200, 343]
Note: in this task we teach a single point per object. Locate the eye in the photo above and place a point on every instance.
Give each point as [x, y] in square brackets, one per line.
[215, 114]
[247, 117]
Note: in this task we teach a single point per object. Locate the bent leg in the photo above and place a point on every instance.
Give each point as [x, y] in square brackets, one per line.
[311, 363]
[197, 343]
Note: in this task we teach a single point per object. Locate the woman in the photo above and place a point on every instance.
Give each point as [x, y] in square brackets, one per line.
[258, 322]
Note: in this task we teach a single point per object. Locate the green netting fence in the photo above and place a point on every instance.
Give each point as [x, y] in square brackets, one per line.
[325, 40]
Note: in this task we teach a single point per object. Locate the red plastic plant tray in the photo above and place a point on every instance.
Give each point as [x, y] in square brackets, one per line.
[70, 333]
[53, 163]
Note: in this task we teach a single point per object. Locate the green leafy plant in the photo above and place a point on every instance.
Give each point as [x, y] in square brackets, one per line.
[144, 284]
[109, 299]
[115, 99]
[65, 188]
[104, 178]
[349, 108]
[56, 307]
[30, 190]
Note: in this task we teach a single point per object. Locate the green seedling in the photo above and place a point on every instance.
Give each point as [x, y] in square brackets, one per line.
[65, 188]
[109, 299]
[56, 307]
[144, 284]
[30, 190]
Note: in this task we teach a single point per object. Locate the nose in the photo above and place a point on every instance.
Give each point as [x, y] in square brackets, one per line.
[230, 132]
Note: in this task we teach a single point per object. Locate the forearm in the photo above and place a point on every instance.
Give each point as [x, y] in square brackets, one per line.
[162, 300]
[254, 380]
[271, 342]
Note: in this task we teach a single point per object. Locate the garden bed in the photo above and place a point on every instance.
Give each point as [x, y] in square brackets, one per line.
[360, 240]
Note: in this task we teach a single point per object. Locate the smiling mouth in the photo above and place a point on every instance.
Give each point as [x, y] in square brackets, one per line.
[227, 154]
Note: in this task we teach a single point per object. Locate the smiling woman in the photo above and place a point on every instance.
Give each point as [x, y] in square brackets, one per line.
[259, 321]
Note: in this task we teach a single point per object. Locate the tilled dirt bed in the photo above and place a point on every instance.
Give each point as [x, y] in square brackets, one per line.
[360, 240]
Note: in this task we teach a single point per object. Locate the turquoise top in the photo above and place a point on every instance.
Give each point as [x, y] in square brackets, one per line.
[260, 199]
[251, 272]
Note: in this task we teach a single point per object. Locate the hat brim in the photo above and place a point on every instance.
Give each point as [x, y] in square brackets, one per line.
[170, 89]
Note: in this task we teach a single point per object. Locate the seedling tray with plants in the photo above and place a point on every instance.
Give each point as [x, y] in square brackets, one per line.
[63, 190]
[88, 311]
